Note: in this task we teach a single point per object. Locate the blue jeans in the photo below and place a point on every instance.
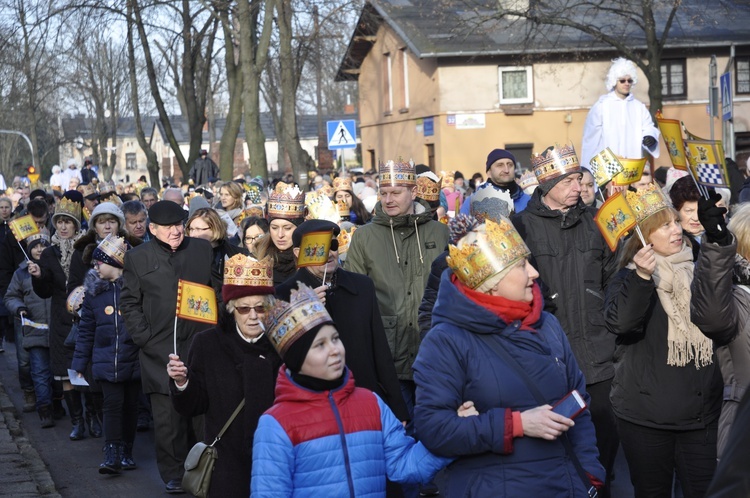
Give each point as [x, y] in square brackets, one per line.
[22, 357]
[41, 375]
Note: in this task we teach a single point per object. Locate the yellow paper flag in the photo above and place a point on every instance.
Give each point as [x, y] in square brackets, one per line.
[23, 227]
[314, 248]
[706, 159]
[632, 172]
[196, 302]
[604, 166]
[614, 219]
[671, 131]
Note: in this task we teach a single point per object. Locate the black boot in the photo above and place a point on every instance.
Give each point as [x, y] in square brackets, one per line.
[112, 457]
[94, 403]
[29, 401]
[127, 462]
[45, 415]
[75, 408]
[58, 412]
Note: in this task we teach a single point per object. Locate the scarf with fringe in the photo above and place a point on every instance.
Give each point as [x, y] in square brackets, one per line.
[66, 251]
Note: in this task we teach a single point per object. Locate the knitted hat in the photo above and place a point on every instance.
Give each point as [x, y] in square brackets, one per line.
[246, 276]
[108, 208]
[498, 154]
[111, 251]
[292, 326]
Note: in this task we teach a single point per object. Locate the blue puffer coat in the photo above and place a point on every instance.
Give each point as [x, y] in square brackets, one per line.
[103, 340]
[334, 444]
[455, 365]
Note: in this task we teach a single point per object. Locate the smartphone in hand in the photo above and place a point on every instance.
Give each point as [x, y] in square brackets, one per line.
[570, 405]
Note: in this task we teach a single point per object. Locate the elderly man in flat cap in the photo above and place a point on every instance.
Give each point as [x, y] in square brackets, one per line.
[149, 298]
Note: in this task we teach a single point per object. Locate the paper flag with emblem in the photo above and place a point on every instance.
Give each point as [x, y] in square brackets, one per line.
[196, 302]
[632, 171]
[615, 219]
[706, 159]
[671, 131]
[314, 248]
[604, 166]
[23, 227]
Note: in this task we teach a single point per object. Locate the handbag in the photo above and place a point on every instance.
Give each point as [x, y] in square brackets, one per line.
[201, 460]
[512, 362]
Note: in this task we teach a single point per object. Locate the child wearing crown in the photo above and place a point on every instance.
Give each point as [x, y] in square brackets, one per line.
[104, 344]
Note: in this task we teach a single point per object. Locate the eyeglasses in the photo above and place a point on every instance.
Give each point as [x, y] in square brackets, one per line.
[244, 310]
[623, 81]
[253, 239]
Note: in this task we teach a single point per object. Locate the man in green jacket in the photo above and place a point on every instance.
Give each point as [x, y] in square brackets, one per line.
[396, 251]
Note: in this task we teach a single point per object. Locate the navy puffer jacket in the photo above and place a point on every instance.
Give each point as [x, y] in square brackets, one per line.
[103, 339]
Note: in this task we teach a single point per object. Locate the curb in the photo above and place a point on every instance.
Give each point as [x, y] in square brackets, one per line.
[33, 463]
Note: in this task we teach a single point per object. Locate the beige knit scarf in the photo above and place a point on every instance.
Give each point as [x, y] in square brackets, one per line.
[686, 342]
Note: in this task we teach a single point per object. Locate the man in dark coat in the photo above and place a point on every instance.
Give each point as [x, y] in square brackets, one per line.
[576, 264]
[203, 168]
[350, 300]
[149, 298]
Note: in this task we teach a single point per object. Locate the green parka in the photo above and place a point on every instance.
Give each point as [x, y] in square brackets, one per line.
[396, 253]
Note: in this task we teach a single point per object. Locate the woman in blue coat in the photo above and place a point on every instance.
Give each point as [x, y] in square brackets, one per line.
[488, 299]
[104, 342]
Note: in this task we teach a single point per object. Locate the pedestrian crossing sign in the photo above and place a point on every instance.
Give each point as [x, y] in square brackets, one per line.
[342, 134]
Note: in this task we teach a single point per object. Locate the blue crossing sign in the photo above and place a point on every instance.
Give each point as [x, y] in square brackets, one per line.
[726, 96]
[342, 134]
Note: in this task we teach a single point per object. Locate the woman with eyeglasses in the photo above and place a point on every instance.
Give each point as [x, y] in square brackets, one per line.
[205, 224]
[253, 229]
[227, 364]
[618, 120]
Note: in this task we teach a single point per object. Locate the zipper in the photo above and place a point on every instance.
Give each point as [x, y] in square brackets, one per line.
[345, 448]
[117, 332]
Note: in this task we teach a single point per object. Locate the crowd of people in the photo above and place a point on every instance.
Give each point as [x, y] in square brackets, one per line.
[483, 328]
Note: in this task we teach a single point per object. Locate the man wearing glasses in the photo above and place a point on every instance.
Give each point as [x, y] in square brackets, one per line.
[148, 302]
[618, 120]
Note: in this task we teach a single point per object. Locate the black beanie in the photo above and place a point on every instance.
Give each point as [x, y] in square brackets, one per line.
[498, 154]
[297, 352]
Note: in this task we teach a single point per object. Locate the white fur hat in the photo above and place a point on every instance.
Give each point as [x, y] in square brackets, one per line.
[621, 67]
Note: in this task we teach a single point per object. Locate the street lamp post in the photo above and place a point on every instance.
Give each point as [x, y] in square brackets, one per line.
[28, 141]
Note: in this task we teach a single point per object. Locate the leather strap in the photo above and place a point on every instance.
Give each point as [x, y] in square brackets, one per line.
[229, 422]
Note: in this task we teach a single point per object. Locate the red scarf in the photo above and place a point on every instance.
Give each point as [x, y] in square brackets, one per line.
[509, 311]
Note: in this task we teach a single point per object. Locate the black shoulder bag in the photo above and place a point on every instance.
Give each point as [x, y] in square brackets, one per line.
[512, 362]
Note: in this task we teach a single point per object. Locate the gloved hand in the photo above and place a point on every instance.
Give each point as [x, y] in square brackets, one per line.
[712, 219]
[649, 141]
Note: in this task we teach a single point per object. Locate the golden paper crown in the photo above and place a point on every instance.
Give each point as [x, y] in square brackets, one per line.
[448, 179]
[496, 249]
[326, 190]
[106, 188]
[287, 202]
[69, 208]
[340, 183]
[111, 250]
[397, 174]
[321, 207]
[75, 299]
[246, 271]
[555, 162]
[345, 237]
[286, 322]
[527, 180]
[42, 234]
[86, 189]
[428, 189]
[647, 201]
[342, 207]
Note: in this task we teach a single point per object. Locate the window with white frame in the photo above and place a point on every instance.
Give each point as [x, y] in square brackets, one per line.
[742, 84]
[387, 84]
[405, 79]
[515, 85]
[130, 162]
[673, 80]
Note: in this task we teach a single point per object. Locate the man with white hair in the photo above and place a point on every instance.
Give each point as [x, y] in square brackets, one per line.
[71, 171]
[618, 120]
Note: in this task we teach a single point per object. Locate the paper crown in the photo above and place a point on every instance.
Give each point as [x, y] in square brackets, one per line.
[286, 322]
[111, 251]
[496, 249]
[75, 299]
[106, 188]
[247, 213]
[326, 190]
[42, 235]
[491, 203]
[555, 162]
[321, 207]
[252, 194]
[527, 180]
[340, 183]
[86, 189]
[69, 208]
[342, 207]
[287, 202]
[344, 238]
[646, 201]
[397, 174]
[246, 271]
[449, 179]
[427, 189]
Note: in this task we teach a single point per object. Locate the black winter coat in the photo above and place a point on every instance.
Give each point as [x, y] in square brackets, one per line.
[646, 390]
[222, 369]
[353, 306]
[575, 264]
[149, 298]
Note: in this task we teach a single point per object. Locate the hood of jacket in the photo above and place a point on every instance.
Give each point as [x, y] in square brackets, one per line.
[422, 214]
[457, 310]
[288, 391]
[568, 219]
[95, 285]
